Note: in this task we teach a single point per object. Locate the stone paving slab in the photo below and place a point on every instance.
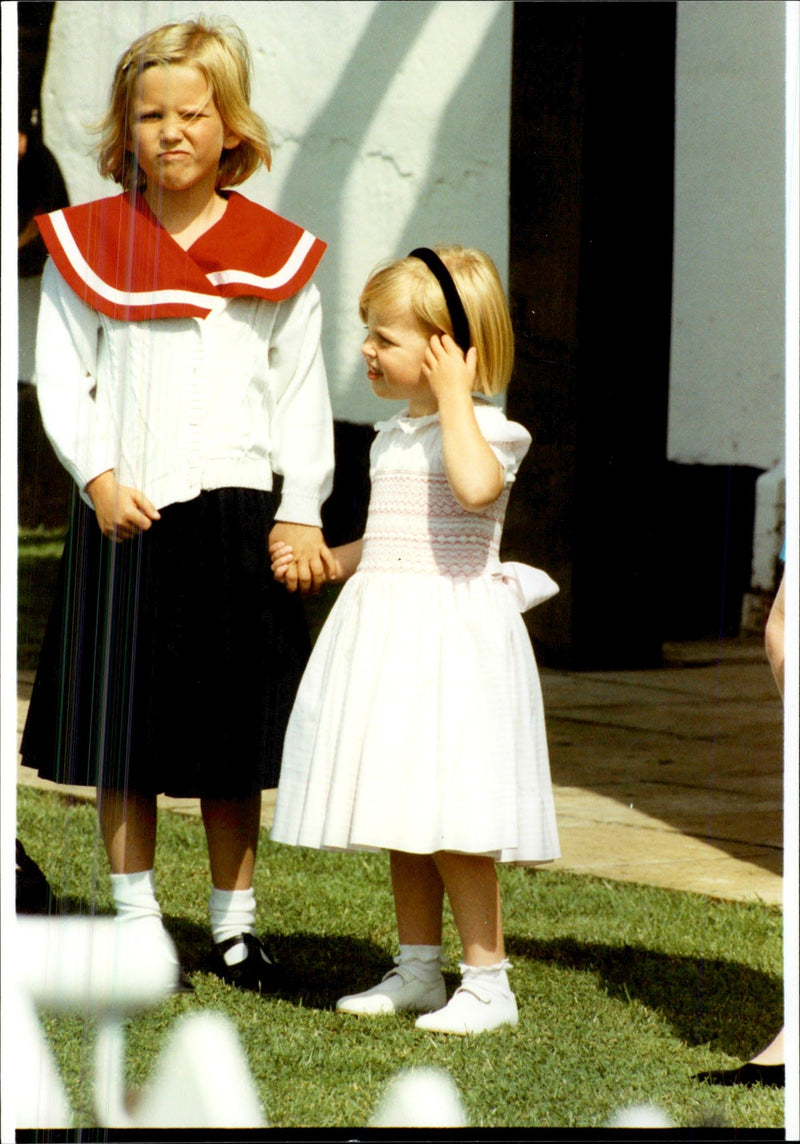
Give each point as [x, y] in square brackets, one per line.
[669, 777]
[605, 838]
[672, 777]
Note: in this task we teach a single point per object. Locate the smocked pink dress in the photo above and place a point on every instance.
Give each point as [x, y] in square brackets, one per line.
[419, 724]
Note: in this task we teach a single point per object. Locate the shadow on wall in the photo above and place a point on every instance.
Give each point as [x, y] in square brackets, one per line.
[358, 94]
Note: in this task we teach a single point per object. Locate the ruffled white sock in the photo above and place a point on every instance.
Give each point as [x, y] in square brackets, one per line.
[490, 979]
[232, 912]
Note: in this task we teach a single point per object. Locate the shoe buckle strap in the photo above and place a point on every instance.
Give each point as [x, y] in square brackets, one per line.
[401, 971]
[476, 991]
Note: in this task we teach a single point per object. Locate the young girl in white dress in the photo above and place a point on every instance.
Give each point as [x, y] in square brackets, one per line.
[418, 726]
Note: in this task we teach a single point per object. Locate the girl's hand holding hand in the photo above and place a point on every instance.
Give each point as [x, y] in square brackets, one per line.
[343, 563]
[122, 512]
[447, 370]
[303, 558]
[281, 557]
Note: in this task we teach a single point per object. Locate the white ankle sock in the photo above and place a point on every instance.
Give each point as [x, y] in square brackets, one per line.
[135, 896]
[232, 912]
[425, 961]
[491, 978]
[135, 900]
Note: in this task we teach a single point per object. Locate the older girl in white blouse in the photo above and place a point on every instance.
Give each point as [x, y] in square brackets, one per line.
[418, 726]
[178, 370]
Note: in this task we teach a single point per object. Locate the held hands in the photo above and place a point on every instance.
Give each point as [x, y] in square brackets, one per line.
[446, 369]
[300, 557]
[281, 561]
[343, 561]
[122, 512]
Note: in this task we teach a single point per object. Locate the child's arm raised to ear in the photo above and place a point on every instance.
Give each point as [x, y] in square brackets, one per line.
[473, 471]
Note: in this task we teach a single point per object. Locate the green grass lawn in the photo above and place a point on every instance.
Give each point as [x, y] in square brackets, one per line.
[38, 557]
[624, 991]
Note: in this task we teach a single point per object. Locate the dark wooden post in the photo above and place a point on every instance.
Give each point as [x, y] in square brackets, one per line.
[592, 143]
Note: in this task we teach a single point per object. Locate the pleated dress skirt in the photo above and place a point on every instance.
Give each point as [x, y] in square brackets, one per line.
[170, 661]
[419, 724]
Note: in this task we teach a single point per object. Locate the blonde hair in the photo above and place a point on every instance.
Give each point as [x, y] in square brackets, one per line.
[408, 280]
[221, 54]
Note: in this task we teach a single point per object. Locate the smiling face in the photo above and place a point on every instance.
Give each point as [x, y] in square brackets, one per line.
[176, 133]
[394, 350]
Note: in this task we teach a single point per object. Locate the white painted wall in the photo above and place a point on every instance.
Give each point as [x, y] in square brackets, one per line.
[727, 372]
[389, 120]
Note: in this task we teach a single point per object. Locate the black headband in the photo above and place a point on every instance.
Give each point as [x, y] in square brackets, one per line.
[455, 306]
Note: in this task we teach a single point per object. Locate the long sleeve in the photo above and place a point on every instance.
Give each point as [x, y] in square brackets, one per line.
[66, 370]
[302, 427]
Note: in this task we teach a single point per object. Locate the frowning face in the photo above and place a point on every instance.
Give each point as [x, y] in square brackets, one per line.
[177, 134]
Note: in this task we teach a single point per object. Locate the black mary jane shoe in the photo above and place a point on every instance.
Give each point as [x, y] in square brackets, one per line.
[257, 971]
[771, 1076]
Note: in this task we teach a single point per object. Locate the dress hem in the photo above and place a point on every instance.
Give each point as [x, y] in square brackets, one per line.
[368, 848]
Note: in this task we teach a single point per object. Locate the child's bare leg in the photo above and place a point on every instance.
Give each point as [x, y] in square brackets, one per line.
[128, 826]
[232, 826]
[474, 893]
[484, 1000]
[416, 982]
[418, 898]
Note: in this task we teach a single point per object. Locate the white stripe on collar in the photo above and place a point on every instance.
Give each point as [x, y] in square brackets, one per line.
[147, 298]
[273, 281]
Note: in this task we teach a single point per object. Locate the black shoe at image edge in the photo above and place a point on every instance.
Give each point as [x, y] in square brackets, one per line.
[771, 1076]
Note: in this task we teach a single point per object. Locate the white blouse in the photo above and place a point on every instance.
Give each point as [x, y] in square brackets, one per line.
[178, 405]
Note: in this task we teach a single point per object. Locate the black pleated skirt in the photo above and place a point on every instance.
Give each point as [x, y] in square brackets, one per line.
[170, 661]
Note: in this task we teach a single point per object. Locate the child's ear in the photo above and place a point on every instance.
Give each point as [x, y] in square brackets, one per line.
[231, 140]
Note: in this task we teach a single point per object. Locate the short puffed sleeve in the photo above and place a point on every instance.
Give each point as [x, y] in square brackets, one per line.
[509, 440]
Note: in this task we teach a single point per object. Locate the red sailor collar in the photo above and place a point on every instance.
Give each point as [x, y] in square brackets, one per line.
[118, 258]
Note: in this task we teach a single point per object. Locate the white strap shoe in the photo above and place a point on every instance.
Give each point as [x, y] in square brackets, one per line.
[400, 989]
[472, 1010]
